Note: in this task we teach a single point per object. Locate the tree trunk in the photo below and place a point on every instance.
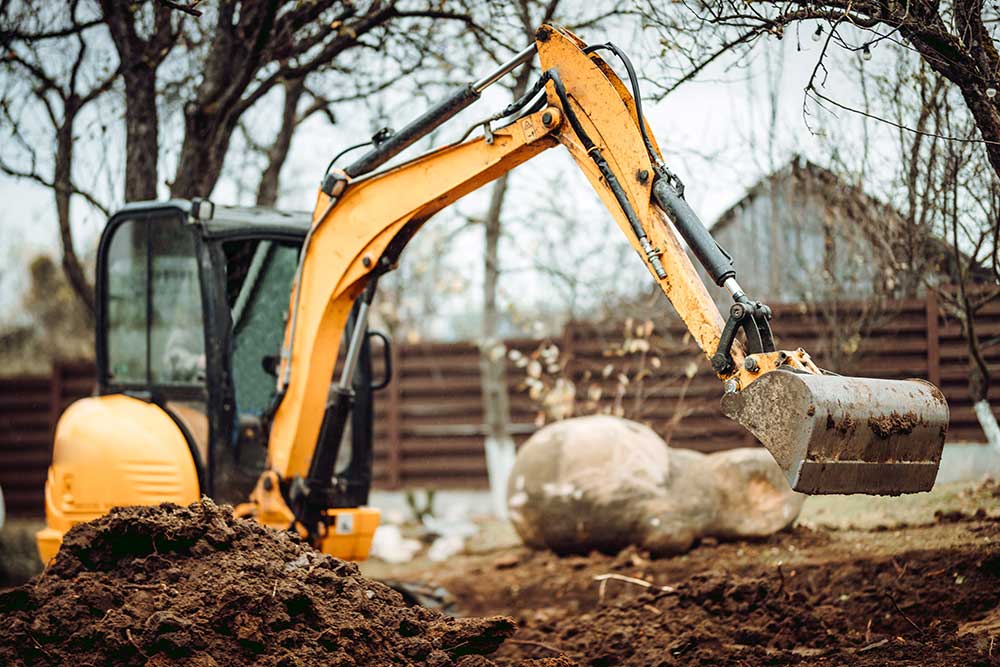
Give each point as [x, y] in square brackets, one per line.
[500, 448]
[206, 141]
[988, 422]
[140, 58]
[63, 188]
[141, 134]
[979, 384]
[267, 189]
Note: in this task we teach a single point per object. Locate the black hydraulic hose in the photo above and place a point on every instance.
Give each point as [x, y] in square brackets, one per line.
[343, 153]
[636, 95]
[652, 255]
[668, 190]
[522, 101]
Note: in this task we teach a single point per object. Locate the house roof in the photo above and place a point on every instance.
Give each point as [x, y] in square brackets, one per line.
[878, 221]
[834, 188]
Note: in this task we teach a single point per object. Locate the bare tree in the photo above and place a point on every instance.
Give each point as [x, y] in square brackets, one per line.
[940, 101]
[141, 58]
[951, 222]
[943, 234]
[249, 49]
[500, 447]
[952, 38]
[222, 62]
[61, 93]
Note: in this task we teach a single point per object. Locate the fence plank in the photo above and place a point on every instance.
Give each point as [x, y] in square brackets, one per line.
[933, 339]
[393, 411]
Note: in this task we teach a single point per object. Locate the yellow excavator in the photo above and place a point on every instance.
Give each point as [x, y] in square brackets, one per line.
[219, 328]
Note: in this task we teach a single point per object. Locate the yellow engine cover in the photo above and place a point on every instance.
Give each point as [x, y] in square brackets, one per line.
[109, 451]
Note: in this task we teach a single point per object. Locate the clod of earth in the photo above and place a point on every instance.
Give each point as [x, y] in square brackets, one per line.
[194, 586]
[893, 423]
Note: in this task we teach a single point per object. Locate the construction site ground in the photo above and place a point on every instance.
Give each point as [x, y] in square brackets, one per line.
[859, 581]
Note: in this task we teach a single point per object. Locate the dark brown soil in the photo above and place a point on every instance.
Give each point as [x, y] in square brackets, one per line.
[193, 586]
[817, 598]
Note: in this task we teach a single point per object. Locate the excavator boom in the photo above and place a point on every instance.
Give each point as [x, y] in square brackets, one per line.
[830, 434]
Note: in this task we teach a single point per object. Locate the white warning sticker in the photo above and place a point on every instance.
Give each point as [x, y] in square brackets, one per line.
[345, 524]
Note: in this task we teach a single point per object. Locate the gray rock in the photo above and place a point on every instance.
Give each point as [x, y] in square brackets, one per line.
[686, 510]
[755, 499]
[582, 484]
[605, 483]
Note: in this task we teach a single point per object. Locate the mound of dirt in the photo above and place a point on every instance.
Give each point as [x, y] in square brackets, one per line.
[194, 586]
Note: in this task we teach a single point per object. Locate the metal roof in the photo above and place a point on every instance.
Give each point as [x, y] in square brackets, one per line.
[234, 220]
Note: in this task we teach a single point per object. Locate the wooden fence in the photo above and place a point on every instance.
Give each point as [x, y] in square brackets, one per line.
[428, 427]
[29, 409]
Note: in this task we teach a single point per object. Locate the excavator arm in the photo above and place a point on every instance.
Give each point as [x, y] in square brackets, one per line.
[365, 216]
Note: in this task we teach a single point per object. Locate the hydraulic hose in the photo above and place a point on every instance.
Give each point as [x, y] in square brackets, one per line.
[651, 253]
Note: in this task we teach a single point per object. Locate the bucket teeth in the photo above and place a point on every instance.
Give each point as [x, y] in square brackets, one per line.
[834, 434]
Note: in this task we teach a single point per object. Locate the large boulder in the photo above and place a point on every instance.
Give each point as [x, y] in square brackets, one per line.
[687, 508]
[755, 499]
[583, 484]
[604, 483]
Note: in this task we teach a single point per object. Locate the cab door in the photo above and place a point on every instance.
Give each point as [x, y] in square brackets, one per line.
[151, 341]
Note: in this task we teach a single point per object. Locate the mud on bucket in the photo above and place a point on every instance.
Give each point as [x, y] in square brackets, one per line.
[834, 434]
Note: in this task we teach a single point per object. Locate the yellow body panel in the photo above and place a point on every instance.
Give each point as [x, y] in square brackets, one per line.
[350, 536]
[108, 451]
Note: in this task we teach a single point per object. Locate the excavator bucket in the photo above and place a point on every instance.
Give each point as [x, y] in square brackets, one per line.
[834, 434]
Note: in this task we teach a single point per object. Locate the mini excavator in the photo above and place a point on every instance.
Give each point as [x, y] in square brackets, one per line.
[219, 328]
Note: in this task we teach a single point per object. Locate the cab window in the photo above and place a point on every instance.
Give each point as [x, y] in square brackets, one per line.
[259, 280]
[155, 332]
[126, 309]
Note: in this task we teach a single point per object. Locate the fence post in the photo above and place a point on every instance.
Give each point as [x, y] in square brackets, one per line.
[55, 396]
[933, 339]
[567, 341]
[394, 408]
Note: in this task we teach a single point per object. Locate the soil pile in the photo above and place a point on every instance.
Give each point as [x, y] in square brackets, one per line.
[193, 586]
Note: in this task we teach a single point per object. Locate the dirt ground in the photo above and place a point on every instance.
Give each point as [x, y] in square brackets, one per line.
[195, 587]
[860, 581]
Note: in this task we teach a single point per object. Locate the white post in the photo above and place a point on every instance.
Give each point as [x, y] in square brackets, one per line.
[988, 422]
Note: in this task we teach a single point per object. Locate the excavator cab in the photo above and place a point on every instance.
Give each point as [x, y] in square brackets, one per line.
[192, 315]
[191, 311]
